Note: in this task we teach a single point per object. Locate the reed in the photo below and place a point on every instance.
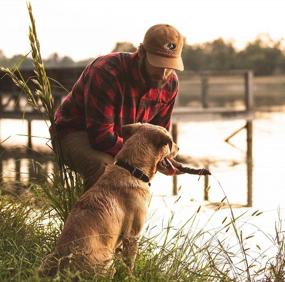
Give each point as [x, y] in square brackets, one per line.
[65, 186]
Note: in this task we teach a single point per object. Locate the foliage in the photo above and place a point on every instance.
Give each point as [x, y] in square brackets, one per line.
[23, 239]
[262, 58]
[263, 55]
[215, 55]
[124, 47]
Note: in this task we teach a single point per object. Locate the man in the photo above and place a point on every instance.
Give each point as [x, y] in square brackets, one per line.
[118, 89]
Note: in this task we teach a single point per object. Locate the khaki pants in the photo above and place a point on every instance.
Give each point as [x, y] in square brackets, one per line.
[82, 158]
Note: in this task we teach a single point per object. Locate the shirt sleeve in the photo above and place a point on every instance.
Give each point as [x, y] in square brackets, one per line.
[163, 117]
[102, 99]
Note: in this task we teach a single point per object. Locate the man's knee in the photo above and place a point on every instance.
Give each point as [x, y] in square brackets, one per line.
[82, 158]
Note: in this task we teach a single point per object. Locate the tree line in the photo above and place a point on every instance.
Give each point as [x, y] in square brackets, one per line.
[263, 55]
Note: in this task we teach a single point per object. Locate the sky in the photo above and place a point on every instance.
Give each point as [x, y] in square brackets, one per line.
[82, 29]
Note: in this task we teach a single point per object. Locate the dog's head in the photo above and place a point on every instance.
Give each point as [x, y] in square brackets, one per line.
[149, 141]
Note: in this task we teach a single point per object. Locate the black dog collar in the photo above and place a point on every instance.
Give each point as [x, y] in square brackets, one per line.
[134, 171]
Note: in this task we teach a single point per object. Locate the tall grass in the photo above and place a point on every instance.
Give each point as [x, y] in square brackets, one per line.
[192, 251]
[23, 239]
[65, 186]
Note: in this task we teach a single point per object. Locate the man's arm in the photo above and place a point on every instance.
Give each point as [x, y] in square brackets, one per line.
[102, 101]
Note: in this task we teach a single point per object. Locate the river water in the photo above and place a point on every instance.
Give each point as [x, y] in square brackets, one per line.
[204, 141]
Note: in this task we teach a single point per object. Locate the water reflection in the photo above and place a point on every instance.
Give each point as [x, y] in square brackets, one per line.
[204, 143]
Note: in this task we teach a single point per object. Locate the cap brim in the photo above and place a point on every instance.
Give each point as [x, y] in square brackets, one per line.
[165, 62]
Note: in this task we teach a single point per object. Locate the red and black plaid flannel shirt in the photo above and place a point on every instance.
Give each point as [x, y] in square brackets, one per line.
[110, 93]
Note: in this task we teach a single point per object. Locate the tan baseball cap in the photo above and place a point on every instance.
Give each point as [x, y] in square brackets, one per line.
[163, 44]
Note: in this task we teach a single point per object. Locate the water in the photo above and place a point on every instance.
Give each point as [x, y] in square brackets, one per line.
[205, 141]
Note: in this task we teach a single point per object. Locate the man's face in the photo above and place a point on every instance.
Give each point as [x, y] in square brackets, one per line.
[157, 76]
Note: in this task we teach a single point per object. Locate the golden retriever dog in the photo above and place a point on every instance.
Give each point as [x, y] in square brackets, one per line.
[111, 214]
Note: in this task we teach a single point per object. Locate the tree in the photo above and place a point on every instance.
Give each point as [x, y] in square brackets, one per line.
[220, 55]
[124, 47]
[215, 55]
[23, 62]
[66, 62]
[193, 57]
[52, 61]
[263, 57]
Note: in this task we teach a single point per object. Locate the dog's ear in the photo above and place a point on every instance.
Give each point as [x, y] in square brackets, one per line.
[162, 140]
[129, 129]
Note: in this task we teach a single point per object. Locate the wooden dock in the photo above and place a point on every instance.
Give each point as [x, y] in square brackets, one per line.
[13, 107]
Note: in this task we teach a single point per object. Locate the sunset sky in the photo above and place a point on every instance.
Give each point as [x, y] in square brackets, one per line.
[86, 28]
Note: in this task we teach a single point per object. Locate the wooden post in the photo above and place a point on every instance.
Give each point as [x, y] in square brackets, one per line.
[249, 162]
[249, 90]
[206, 185]
[1, 102]
[1, 110]
[174, 132]
[18, 170]
[1, 170]
[249, 103]
[204, 90]
[29, 134]
[33, 168]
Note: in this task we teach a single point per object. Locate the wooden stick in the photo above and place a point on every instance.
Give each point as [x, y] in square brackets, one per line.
[199, 171]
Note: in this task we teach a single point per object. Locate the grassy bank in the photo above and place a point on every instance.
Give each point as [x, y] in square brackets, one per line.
[28, 231]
